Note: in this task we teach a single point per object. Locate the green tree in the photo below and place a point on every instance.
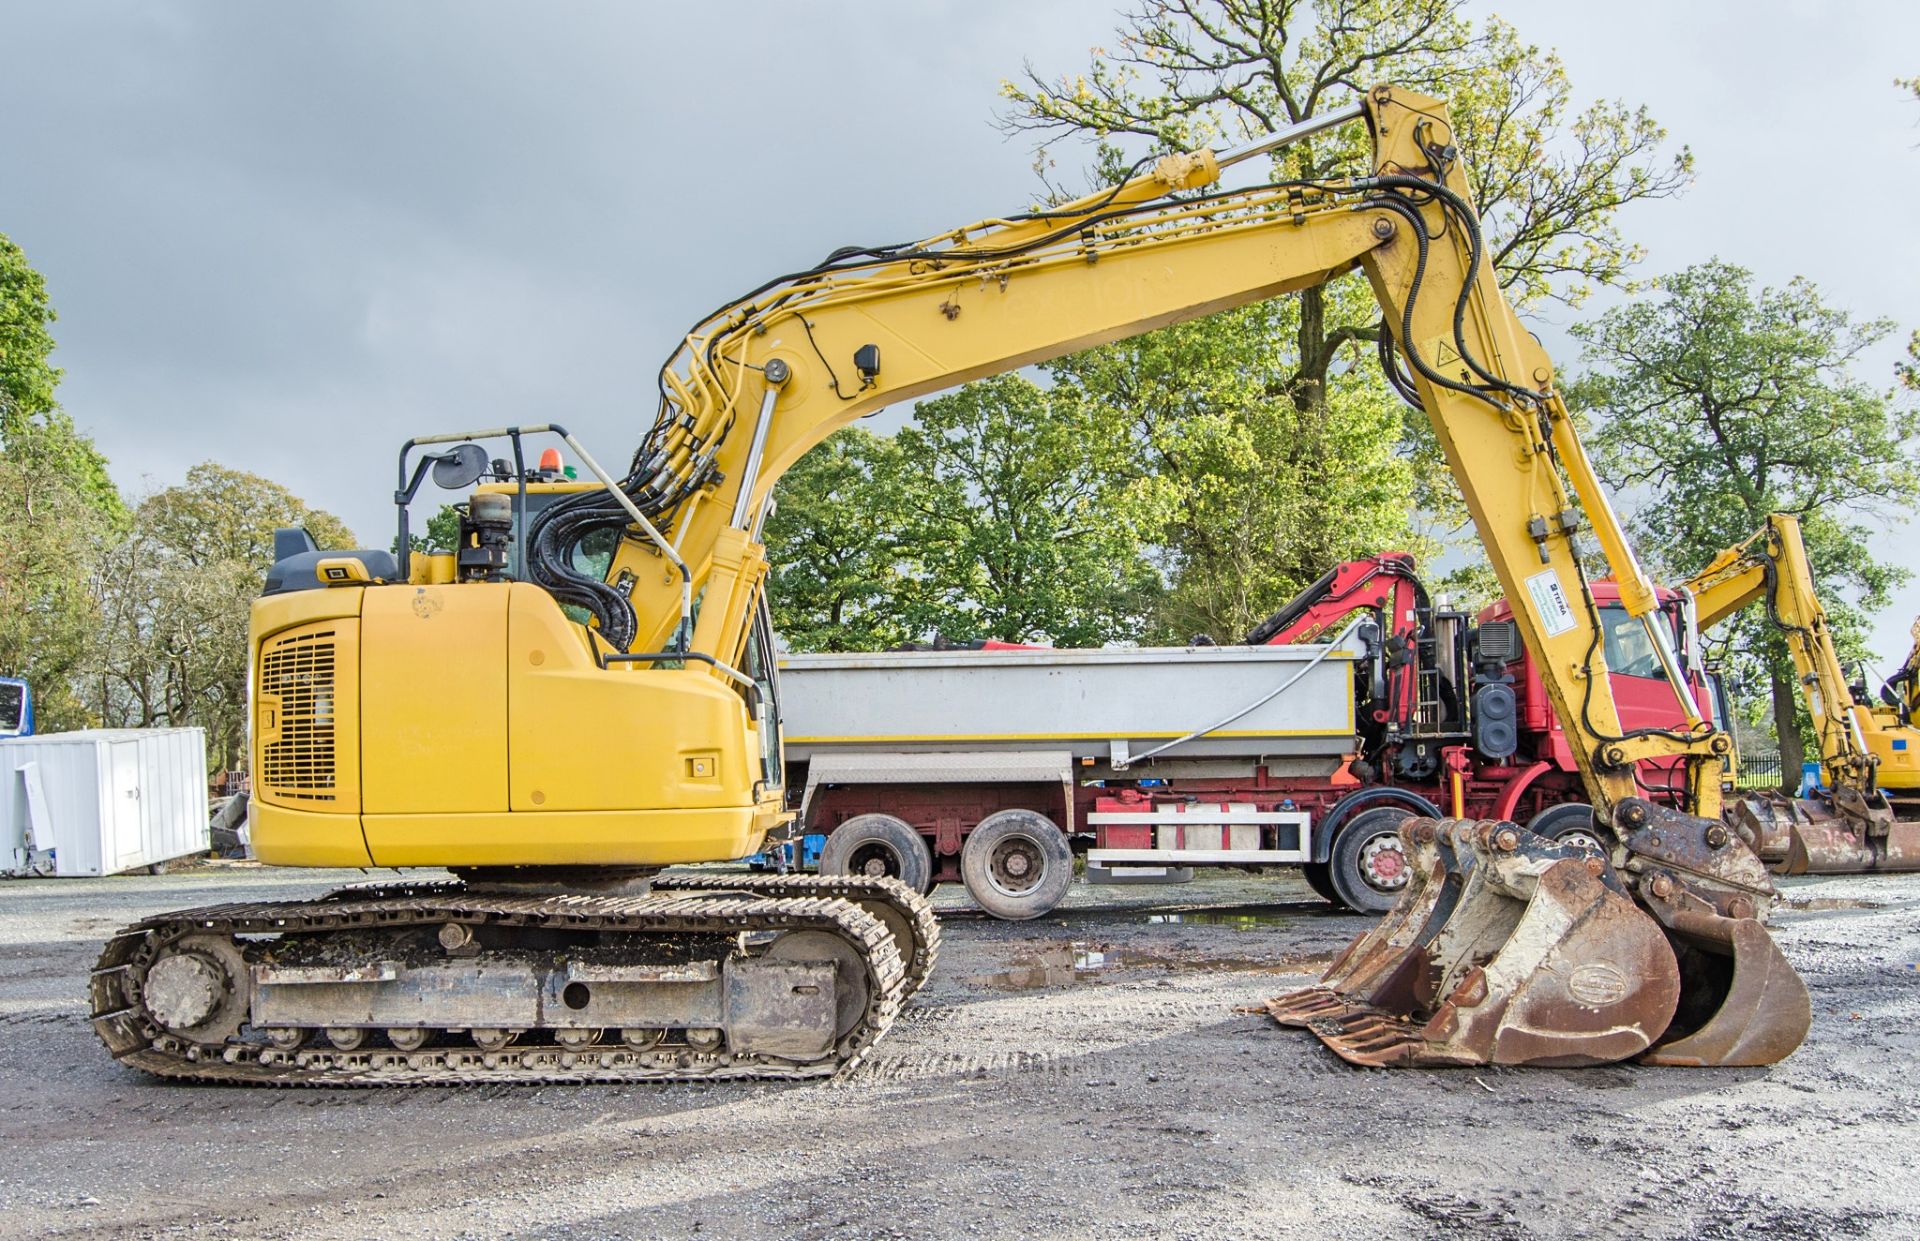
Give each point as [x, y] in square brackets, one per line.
[1025, 511]
[57, 505]
[1715, 403]
[442, 533]
[176, 594]
[834, 542]
[1549, 176]
[1264, 496]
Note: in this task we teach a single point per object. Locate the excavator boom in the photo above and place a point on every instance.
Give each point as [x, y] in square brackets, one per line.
[1866, 817]
[446, 711]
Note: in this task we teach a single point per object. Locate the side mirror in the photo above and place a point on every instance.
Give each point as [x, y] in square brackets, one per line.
[460, 468]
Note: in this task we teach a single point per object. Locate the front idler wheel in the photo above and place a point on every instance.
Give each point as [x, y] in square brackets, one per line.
[850, 989]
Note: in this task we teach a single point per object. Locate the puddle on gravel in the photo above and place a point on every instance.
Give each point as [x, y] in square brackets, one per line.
[1832, 902]
[1084, 961]
[1239, 919]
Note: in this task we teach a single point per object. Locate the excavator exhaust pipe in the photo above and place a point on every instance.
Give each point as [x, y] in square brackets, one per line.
[1507, 948]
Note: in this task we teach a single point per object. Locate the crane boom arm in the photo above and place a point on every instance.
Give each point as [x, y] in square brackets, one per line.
[764, 379]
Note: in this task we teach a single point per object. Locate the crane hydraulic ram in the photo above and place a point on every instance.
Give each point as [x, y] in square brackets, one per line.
[446, 711]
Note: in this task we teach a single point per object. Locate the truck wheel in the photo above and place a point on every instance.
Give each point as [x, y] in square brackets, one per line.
[1369, 867]
[1017, 864]
[878, 846]
[1319, 877]
[1571, 824]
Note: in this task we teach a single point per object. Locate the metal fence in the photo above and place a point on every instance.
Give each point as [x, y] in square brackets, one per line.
[1758, 771]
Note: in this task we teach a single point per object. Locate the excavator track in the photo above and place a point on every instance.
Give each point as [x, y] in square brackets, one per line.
[893, 902]
[245, 947]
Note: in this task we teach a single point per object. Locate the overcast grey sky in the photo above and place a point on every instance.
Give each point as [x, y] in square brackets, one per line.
[288, 236]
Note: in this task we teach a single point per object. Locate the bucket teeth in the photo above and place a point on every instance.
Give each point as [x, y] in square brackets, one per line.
[1505, 949]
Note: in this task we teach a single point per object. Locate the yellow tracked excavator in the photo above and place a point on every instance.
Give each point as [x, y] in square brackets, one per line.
[583, 693]
[1867, 816]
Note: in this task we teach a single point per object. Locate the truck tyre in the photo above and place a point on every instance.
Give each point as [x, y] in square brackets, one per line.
[880, 846]
[1569, 824]
[1368, 867]
[1319, 877]
[1017, 864]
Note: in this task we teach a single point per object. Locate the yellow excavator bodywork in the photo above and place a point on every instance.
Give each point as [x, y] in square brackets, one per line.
[1868, 815]
[454, 714]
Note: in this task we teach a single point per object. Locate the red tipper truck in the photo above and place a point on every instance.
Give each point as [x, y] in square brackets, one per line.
[994, 765]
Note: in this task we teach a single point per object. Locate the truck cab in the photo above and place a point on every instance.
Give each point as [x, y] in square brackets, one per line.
[1640, 691]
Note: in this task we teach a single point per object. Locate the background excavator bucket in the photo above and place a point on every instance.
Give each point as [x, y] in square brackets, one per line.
[1539, 957]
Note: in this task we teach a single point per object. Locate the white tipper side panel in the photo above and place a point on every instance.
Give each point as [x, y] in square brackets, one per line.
[114, 799]
[1081, 701]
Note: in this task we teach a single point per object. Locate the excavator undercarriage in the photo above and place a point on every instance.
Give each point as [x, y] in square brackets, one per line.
[435, 983]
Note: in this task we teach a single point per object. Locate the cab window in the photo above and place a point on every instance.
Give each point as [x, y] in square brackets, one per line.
[1629, 651]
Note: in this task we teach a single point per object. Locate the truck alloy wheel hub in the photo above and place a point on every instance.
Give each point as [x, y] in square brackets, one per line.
[1383, 864]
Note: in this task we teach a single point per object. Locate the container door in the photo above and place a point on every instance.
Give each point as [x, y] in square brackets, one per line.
[121, 836]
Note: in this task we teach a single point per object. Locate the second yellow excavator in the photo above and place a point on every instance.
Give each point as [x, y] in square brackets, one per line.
[1867, 816]
[582, 693]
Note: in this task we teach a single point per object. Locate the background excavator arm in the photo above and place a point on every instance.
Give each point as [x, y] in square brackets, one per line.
[1772, 565]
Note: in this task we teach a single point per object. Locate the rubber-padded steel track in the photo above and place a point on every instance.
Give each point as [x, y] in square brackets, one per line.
[133, 1036]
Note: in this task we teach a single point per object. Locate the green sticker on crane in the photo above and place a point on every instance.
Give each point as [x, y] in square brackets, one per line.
[1550, 602]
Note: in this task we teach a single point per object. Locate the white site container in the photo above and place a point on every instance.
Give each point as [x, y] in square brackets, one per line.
[102, 800]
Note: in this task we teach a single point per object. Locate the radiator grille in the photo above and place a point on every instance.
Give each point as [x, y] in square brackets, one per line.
[298, 671]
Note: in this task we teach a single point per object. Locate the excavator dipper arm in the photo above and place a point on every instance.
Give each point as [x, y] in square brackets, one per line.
[1868, 752]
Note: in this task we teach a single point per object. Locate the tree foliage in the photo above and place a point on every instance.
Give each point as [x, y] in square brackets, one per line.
[834, 539]
[57, 504]
[1719, 403]
[1549, 175]
[1264, 496]
[1003, 510]
[176, 594]
[1024, 512]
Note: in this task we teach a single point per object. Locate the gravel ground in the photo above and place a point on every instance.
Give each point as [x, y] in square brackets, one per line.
[1086, 1076]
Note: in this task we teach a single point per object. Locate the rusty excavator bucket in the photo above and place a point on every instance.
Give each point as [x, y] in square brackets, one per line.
[1507, 948]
